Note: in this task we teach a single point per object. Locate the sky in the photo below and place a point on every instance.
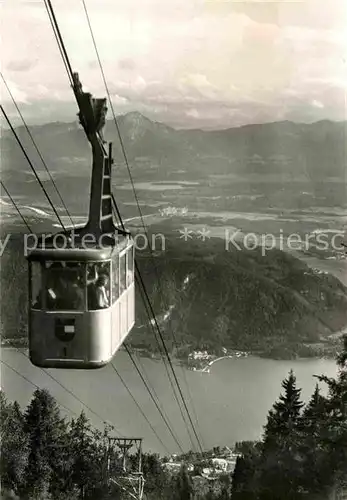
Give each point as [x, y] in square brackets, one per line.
[188, 63]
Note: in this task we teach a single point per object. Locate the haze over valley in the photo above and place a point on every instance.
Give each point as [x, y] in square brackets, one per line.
[279, 178]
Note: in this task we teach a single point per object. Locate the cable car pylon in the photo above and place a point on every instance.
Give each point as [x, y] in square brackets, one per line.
[81, 281]
[128, 477]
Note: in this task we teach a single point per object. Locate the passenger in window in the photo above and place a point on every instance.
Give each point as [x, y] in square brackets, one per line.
[101, 293]
[51, 298]
[39, 299]
[77, 294]
[73, 297]
[92, 274]
[97, 295]
[57, 287]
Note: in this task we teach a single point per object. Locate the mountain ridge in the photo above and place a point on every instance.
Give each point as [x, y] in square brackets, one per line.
[269, 159]
[158, 122]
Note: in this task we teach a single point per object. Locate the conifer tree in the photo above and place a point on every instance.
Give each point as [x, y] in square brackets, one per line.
[46, 432]
[312, 428]
[225, 484]
[210, 495]
[86, 456]
[281, 469]
[183, 486]
[14, 449]
[303, 455]
[334, 437]
[4, 408]
[156, 479]
[245, 477]
[283, 417]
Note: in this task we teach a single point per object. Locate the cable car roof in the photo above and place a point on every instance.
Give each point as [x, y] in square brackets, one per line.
[80, 249]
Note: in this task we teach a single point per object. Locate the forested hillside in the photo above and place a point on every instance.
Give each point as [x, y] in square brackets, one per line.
[302, 454]
[271, 304]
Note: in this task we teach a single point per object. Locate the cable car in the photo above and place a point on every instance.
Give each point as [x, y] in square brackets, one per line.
[81, 283]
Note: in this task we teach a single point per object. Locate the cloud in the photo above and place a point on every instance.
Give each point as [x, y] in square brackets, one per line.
[193, 113]
[20, 65]
[126, 64]
[317, 104]
[19, 95]
[238, 61]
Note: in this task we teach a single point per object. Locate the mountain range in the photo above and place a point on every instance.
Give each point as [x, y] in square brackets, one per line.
[285, 164]
[312, 151]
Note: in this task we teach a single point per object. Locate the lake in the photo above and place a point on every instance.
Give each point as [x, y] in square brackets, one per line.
[231, 402]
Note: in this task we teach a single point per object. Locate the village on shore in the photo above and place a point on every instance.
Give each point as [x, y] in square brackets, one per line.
[209, 465]
[202, 360]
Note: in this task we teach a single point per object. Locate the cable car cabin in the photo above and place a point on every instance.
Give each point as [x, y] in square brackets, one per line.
[82, 304]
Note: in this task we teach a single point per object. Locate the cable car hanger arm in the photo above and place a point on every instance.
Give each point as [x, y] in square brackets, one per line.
[92, 111]
[92, 117]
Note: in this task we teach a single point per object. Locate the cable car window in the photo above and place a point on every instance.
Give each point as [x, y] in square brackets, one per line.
[65, 290]
[130, 274]
[98, 283]
[115, 278]
[122, 272]
[36, 285]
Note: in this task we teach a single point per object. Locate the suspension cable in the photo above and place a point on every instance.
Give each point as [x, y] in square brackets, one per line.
[35, 385]
[165, 363]
[116, 209]
[93, 430]
[42, 369]
[32, 167]
[168, 357]
[140, 409]
[71, 393]
[130, 176]
[59, 40]
[37, 149]
[144, 297]
[69, 70]
[112, 108]
[149, 384]
[149, 391]
[15, 206]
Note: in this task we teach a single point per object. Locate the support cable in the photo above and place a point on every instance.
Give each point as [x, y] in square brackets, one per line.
[138, 281]
[130, 175]
[72, 394]
[70, 73]
[32, 167]
[167, 371]
[140, 409]
[15, 206]
[168, 357]
[44, 370]
[59, 40]
[35, 385]
[37, 149]
[138, 360]
[94, 429]
[78, 399]
[155, 402]
[155, 335]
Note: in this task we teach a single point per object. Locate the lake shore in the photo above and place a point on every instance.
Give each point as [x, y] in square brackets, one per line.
[231, 402]
[320, 350]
